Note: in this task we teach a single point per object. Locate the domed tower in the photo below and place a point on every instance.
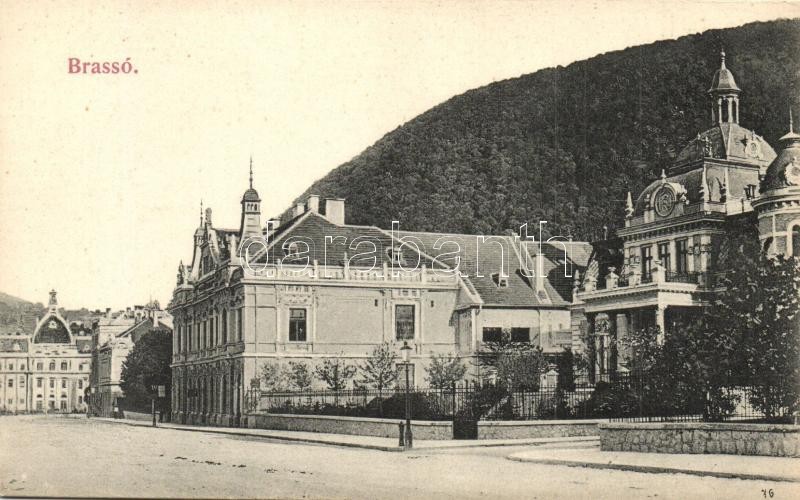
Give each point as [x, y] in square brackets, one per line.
[778, 204]
[251, 210]
[725, 95]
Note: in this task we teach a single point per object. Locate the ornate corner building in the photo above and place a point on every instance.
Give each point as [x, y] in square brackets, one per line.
[313, 287]
[727, 179]
[47, 371]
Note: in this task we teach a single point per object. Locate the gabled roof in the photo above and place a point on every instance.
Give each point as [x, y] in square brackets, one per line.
[319, 239]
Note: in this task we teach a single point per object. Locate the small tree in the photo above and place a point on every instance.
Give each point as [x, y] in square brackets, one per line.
[445, 370]
[379, 370]
[274, 377]
[336, 373]
[300, 376]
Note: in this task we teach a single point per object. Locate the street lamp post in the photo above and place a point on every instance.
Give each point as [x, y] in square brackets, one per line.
[406, 354]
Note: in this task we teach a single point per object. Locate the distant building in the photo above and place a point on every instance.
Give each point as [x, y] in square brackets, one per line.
[726, 179]
[306, 295]
[113, 337]
[47, 371]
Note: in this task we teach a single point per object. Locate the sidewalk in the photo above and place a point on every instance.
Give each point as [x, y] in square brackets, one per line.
[724, 466]
[366, 442]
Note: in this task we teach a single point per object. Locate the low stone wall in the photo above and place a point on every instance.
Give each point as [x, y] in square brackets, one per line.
[727, 438]
[379, 427]
[524, 429]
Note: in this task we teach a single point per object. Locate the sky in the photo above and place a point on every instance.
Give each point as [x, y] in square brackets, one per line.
[101, 175]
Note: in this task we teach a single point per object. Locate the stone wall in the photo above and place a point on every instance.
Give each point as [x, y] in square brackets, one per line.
[423, 429]
[525, 429]
[727, 438]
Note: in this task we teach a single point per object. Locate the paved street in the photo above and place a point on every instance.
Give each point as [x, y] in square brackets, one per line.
[57, 456]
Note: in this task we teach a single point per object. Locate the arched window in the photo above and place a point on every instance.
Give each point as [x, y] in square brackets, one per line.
[224, 326]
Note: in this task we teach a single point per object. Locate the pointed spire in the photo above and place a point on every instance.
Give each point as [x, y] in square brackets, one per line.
[629, 206]
[792, 135]
[251, 171]
[704, 191]
[722, 57]
[201, 212]
[663, 176]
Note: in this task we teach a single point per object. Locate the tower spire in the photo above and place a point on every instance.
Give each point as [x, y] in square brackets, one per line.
[201, 211]
[251, 171]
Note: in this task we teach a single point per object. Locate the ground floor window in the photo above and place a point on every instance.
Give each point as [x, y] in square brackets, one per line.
[39, 405]
[297, 325]
[63, 405]
[520, 335]
[404, 322]
[492, 334]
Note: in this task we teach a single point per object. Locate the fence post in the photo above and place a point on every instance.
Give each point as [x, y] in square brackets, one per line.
[402, 441]
[454, 399]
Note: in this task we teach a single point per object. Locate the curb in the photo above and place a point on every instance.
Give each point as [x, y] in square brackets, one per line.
[262, 436]
[348, 444]
[655, 470]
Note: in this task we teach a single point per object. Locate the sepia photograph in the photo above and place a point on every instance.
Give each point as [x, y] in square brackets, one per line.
[381, 249]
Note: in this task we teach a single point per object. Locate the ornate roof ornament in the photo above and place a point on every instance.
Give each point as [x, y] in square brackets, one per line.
[629, 206]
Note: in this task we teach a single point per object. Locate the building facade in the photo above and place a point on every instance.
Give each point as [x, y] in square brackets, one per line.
[47, 371]
[726, 181]
[113, 338]
[315, 287]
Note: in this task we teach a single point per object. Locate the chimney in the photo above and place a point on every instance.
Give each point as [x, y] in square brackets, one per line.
[334, 210]
[312, 202]
[108, 312]
[299, 209]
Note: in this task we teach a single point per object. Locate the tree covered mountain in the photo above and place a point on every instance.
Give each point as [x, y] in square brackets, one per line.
[565, 144]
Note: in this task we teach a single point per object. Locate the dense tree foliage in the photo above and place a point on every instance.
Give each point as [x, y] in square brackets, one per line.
[564, 144]
[146, 366]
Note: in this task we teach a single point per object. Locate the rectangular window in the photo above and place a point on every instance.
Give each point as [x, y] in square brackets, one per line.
[22, 381]
[664, 256]
[39, 405]
[11, 382]
[52, 383]
[401, 375]
[239, 330]
[404, 322]
[40, 366]
[63, 383]
[80, 399]
[63, 405]
[492, 334]
[80, 384]
[682, 257]
[520, 335]
[51, 405]
[647, 263]
[39, 382]
[64, 366]
[297, 325]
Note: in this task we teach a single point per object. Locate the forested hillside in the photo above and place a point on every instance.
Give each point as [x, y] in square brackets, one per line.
[565, 144]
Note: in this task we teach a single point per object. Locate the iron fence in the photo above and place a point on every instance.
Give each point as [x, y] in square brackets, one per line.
[619, 397]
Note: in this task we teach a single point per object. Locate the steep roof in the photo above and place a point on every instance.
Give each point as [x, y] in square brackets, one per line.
[727, 141]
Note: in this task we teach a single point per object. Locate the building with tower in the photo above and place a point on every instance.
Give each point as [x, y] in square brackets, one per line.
[726, 181]
[47, 371]
[313, 287]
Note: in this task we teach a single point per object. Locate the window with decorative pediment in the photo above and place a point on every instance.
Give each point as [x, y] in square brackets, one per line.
[404, 322]
[297, 325]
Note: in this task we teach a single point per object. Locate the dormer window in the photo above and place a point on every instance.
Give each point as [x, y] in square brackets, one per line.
[395, 254]
[500, 281]
[292, 249]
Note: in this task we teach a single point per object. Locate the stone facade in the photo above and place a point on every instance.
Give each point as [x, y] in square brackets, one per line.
[724, 438]
[47, 371]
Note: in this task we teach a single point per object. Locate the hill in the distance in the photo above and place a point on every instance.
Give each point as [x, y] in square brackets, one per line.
[565, 144]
